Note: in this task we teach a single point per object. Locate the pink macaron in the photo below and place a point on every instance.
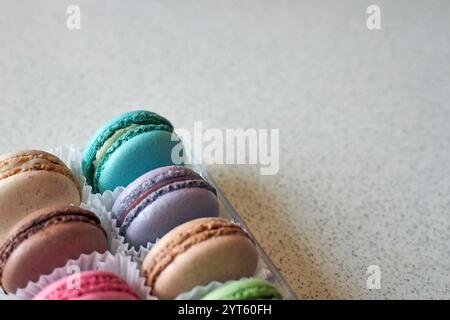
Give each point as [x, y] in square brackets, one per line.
[88, 285]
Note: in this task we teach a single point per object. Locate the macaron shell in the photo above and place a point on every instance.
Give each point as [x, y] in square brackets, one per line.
[33, 154]
[48, 249]
[112, 295]
[29, 191]
[222, 258]
[88, 285]
[135, 188]
[247, 289]
[101, 135]
[169, 211]
[134, 157]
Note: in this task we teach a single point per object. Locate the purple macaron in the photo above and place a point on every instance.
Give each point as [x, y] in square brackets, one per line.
[160, 200]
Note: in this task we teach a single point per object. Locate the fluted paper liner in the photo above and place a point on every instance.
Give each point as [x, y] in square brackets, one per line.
[118, 264]
[72, 158]
[101, 205]
[107, 200]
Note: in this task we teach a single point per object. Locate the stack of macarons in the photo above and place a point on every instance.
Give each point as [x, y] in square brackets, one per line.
[41, 223]
[164, 208]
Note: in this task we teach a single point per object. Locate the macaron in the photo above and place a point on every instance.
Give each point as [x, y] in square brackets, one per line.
[196, 253]
[45, 240]
[246, 289]
[126, 148]
[88, 285]
[31, 180]
[160, 200]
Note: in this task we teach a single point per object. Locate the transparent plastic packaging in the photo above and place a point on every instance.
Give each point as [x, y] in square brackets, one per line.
[101, 204]
[227, 211]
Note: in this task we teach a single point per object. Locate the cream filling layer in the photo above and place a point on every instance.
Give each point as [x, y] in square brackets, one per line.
[108, 143]
[23, 164]
[8, 167]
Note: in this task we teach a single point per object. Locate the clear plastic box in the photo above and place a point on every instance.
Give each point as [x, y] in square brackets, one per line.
[227, 211]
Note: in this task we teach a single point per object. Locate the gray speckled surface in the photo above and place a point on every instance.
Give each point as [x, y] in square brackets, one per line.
[364, 117]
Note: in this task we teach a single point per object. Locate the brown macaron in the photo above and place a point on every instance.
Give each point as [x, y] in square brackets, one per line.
[45, 240]
[196, 253]
[31, 180]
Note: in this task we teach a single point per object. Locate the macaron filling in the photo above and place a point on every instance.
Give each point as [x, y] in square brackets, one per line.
[44, 221]
[178, 174]
[139, 117]
[212, 229]
[109, 142]
[145, 182]
[125, 136]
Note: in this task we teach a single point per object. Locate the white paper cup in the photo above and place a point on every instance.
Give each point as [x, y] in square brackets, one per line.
[118, 264]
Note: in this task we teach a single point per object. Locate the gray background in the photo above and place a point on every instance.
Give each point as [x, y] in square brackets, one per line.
[363, 115]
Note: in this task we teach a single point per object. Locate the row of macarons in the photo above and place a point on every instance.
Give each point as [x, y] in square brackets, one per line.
[132, 150]
[144, 211]
[104, 285]
[193, 254]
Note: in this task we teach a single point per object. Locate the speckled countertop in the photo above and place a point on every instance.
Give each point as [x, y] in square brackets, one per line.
[364, 117]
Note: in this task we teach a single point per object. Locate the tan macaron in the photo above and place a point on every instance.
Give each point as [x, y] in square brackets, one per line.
[31, 180]
[196, 253]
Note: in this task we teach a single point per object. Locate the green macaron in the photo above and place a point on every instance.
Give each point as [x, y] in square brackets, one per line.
[247, 289]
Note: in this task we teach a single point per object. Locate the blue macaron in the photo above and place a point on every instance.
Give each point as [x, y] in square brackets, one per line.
[127, 147]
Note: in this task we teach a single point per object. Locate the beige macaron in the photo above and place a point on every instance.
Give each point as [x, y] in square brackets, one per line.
[31, 180]
[196, 253]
